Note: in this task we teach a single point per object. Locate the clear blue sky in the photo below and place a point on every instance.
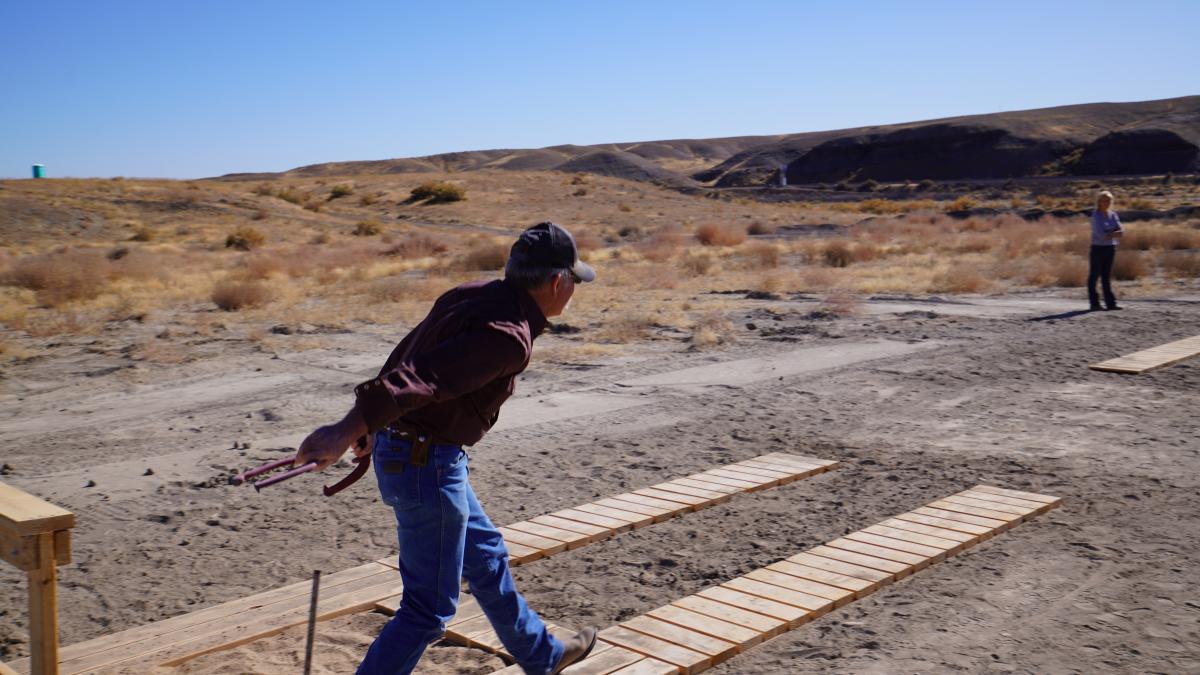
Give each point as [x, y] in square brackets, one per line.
[181, 88]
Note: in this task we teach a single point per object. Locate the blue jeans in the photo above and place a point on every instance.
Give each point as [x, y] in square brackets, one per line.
[444, 537]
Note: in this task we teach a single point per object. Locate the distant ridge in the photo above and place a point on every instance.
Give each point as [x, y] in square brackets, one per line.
[1088, 139]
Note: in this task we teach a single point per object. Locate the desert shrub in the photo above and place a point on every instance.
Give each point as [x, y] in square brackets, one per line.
[367, 228]
[417, 245]
[697, 264]
[260, 214]
[140, 265]
[762, 255]
[1140, 204]
[437, 192]
[588, 241]
[963, 203]
[245, 238]
[290, 195]
[1145, 239]
[869, 185]
[959, 279]
[926, 185]
[1129, 265]
[662, 245]
[579, 192]
[339, 191]
[711, 330]
[838, 253]
[61, 276]
[369, 199]
[627, 327]
[315, 207]
[142, 234]
[1181, 264]
[486, 256]
[391, 289]
[759, 227]
[724, 234]
[234, 294]
[263, 264]
[264, 190]
[624, 208]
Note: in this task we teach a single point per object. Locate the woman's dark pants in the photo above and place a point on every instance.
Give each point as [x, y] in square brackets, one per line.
[1100, 264]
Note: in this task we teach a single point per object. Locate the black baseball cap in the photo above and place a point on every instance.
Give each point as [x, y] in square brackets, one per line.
[549, 245]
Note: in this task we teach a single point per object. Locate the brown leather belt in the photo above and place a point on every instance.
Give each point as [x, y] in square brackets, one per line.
[420, 441]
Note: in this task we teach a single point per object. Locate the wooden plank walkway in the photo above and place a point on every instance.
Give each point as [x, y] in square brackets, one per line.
[571, 528]
[1149, 359]
[377, 584]
[697, 632]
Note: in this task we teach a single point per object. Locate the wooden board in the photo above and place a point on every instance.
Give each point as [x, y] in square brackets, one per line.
[22, 514]
[687, 660]
[701, 630]
[1149, 359]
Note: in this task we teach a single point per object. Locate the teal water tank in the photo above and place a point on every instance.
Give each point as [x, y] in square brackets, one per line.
[39, 171]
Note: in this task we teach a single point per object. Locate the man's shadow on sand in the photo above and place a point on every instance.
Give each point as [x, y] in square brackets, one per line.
[1065, 315]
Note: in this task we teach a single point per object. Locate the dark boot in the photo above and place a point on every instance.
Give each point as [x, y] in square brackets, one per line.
[576, 648]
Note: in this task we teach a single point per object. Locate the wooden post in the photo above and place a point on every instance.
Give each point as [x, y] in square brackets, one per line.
[35, 537]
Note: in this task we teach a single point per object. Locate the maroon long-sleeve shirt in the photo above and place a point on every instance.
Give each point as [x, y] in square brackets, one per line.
[450, 375]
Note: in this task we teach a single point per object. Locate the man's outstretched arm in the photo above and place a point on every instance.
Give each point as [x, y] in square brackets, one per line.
[456, 367]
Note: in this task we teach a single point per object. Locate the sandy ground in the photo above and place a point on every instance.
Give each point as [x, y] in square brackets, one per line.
[918, 397]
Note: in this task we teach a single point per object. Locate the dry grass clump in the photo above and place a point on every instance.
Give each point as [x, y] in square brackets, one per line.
[437, 192]
[367, 228]
[761, 255]
[587, 241]
[963, 203]
[486, 256]
[263, 264]
[232, 295]
[61, 276]
[712, 330]
[417, 245]
[1145, 238]
[245, 238]
[959, 278]
[720, 234]
[400, 289]
[662, 245]
[1181, 264]
[843, 252]
[339, 191]
[1129, 266]
[697, 264]
[626, 327]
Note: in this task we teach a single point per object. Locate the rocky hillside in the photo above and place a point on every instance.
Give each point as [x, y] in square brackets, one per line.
[1090, 139]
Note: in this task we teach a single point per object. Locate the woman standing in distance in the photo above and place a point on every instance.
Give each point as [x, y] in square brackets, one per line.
[1106, 233]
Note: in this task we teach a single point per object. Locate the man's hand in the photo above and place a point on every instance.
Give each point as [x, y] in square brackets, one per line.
[327, 444]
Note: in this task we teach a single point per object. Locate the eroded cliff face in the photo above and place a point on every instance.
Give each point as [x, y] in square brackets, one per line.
[940, 151]
[1144, 150]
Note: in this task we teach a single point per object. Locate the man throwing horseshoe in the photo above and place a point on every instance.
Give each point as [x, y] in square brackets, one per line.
[440, 390]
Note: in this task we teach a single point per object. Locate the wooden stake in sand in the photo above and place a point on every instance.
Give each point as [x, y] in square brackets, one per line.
[312, 623]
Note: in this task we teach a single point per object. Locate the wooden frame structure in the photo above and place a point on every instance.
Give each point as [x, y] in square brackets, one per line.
[35, 537]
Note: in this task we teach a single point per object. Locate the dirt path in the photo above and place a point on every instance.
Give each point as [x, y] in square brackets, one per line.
[918, 398]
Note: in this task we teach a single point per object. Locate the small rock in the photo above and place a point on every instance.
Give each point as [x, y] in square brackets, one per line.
[281, 329]
[148, 472]
[6, 470]
[90, 483]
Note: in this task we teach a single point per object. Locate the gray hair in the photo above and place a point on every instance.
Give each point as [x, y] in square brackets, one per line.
[530, 277]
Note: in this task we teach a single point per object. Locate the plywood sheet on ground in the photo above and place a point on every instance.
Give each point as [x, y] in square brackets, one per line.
[1149, 359]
